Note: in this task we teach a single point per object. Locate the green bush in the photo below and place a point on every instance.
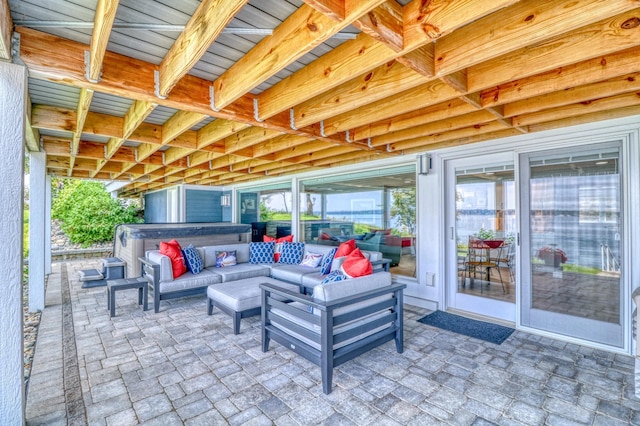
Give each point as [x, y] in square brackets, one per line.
[88, 213]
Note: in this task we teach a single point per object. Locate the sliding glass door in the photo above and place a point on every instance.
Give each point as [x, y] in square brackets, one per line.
[481, 236]
[571, 246]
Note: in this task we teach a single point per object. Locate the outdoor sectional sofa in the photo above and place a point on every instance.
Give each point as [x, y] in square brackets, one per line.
[157, 268]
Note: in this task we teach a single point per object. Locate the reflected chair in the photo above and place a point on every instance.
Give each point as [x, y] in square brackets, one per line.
[480, 261]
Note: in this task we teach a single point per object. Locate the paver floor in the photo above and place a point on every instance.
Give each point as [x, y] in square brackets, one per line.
[181, 366]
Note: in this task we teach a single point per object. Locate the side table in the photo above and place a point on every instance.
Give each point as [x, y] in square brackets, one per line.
[139, 283]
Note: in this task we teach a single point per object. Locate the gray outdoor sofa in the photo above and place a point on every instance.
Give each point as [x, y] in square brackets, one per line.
[338, 322]
[156, 267]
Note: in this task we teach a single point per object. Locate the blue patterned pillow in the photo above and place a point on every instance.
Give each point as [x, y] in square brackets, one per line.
[261, 252]
[327, 260]
[291, 253]
[334, 277]
[226, 258]
[193, 259]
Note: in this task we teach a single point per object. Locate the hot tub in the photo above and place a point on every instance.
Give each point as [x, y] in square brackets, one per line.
[133, 240]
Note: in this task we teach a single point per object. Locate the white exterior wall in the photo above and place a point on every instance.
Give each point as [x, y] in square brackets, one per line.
[13, 80]
[37, 229]
[47, 229]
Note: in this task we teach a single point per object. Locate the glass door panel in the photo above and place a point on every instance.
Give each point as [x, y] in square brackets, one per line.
[573, 245]
[482, 225]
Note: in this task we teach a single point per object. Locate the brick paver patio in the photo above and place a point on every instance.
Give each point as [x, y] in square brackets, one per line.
[181, 366]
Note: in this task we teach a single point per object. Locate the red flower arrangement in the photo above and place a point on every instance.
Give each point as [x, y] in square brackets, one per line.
[546, 252]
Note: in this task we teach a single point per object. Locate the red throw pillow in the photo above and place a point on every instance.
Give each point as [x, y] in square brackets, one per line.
[345, 248]
[356, 265]
[173, 251]
[278, 247]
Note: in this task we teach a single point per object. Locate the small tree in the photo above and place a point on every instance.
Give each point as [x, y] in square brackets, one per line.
[403, 208]
[87, 211]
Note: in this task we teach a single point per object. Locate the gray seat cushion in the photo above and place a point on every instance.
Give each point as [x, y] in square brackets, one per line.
[291, 273]
[240, 271]
[244, 294]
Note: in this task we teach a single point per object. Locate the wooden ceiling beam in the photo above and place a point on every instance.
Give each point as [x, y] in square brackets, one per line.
[306, 26]
[425, 21]
[102, 24]
[433, 127]
[585, 93]
[586, 118]
[420, 60]
[356, 57]
[427, 140]
[6, 30]
[384, 24]
[205, 25]
[523, 24]
[380, 83]
[334, 9]
[271, 148]
[595, 40]
[580, 108]
[428, 114]
[131, 78]
[247, 138]
[431, 93]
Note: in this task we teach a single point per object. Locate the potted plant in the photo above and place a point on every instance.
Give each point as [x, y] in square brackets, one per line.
[552, 256]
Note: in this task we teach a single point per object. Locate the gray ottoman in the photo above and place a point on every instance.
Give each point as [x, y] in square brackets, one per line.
[241, 298]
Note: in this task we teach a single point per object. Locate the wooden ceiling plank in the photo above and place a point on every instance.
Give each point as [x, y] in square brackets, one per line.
[436, 112]
[523, 24]
[601, 38]
[6, 30]
[102, 24]
[206, 24]
[383, 82]
[585, 93]
[428, 94]
[384, 24]
[306, 26]
[600, 68]
[581, 108]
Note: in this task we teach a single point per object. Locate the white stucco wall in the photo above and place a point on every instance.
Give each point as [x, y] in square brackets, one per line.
[12, 110]
[37, 229]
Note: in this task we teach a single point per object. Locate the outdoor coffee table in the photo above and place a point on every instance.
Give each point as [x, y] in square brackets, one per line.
[139, 283]
[241, 298]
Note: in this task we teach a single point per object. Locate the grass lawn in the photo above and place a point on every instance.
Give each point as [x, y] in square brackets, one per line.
[25, 235]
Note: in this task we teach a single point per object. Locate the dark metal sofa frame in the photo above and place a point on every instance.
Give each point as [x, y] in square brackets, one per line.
[151, 271]
[328, 357]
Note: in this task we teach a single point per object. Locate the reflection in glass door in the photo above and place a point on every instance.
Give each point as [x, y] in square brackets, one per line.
[482, 236]
[573, 245]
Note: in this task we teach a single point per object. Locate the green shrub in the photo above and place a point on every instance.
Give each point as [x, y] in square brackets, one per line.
[88, 213]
